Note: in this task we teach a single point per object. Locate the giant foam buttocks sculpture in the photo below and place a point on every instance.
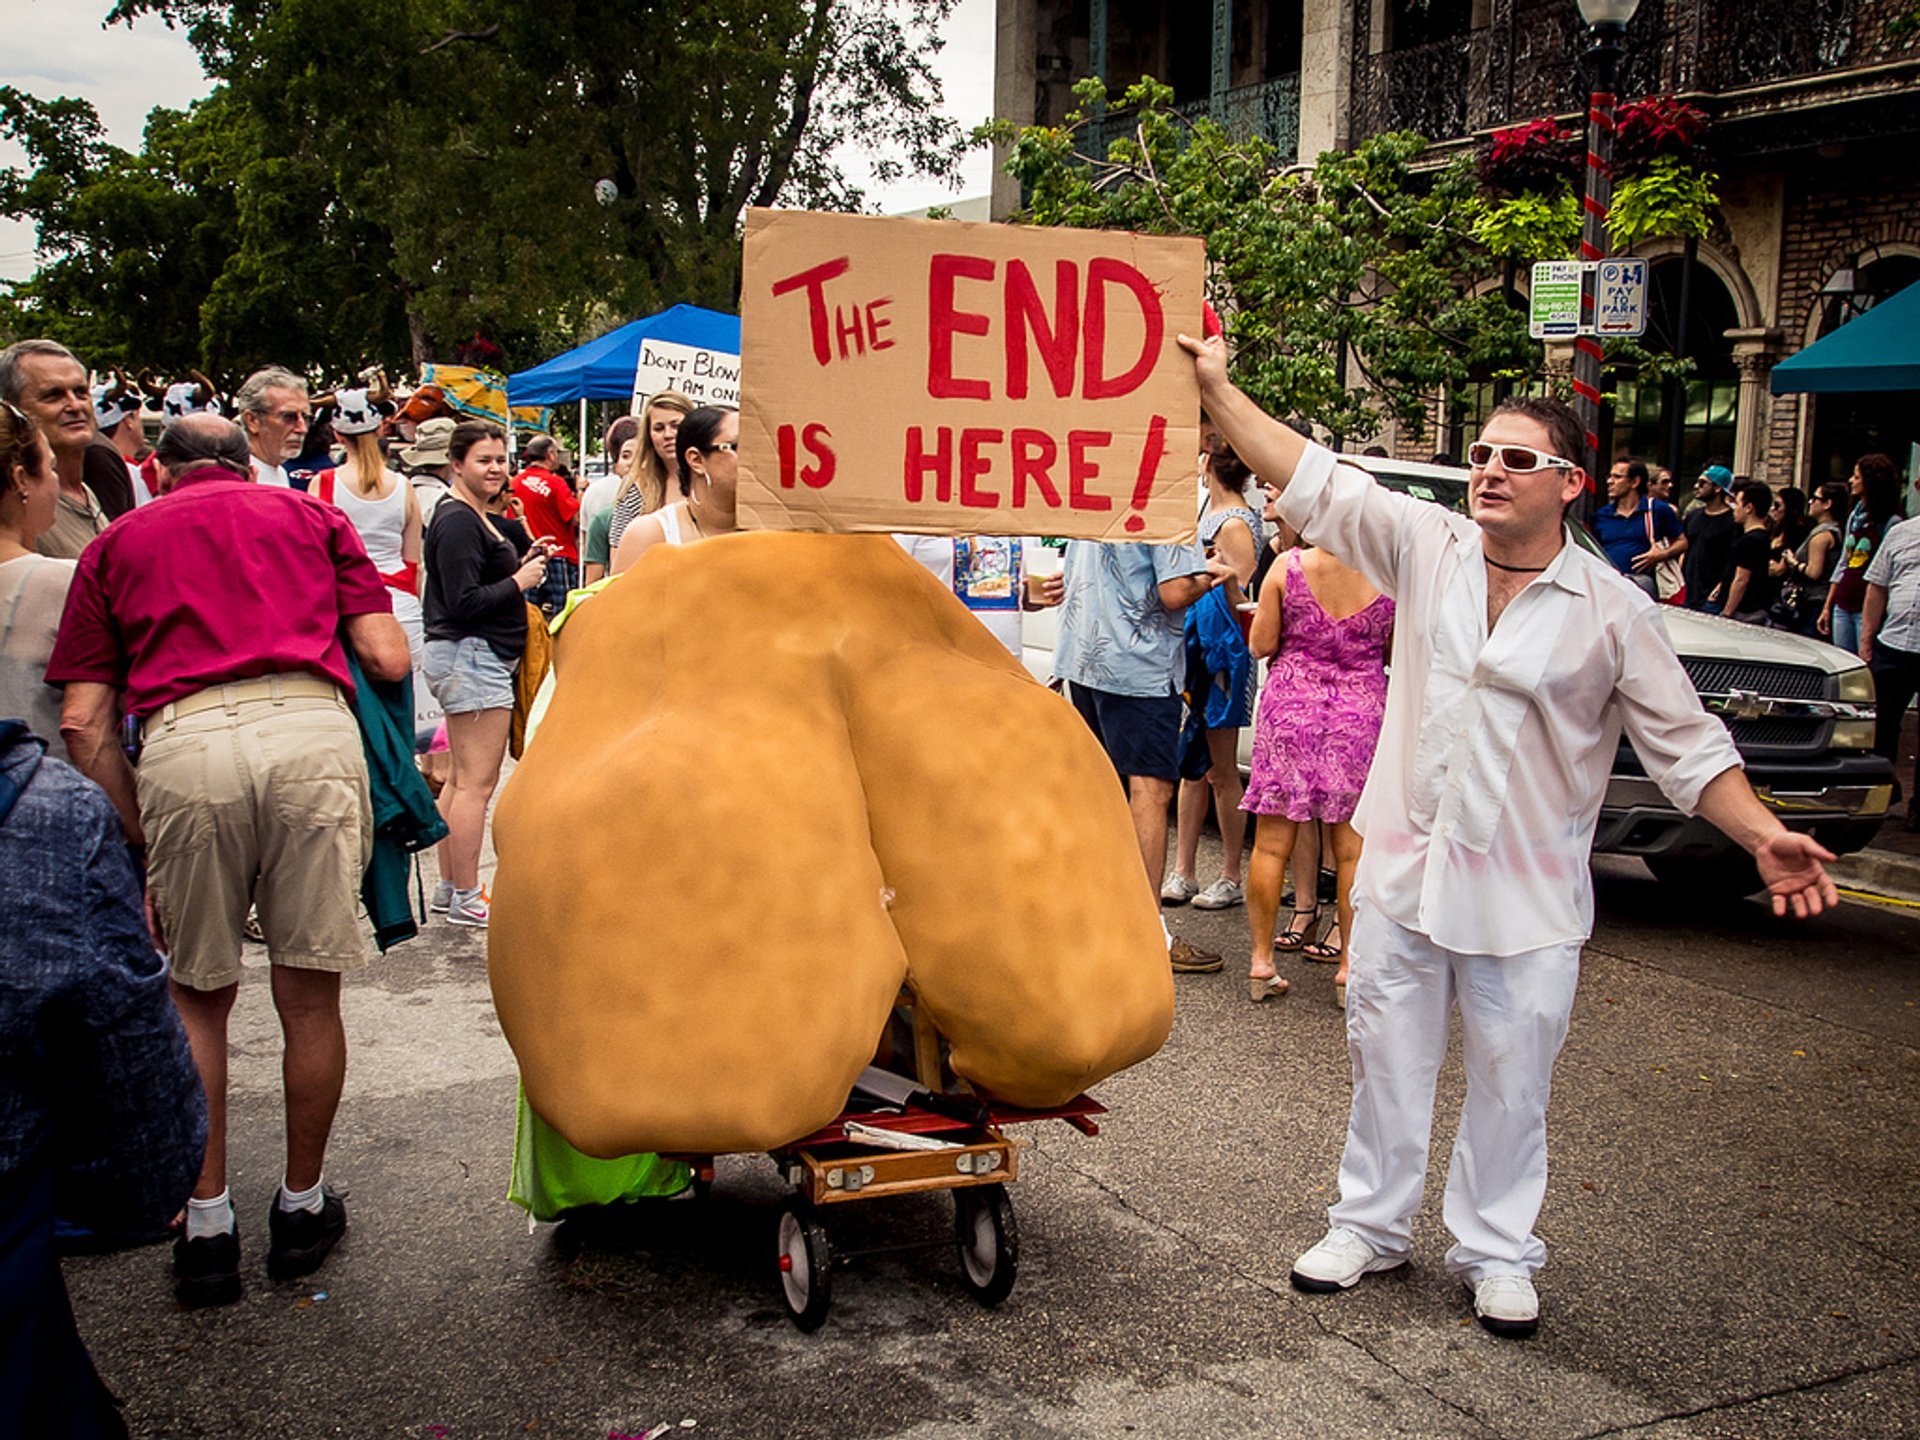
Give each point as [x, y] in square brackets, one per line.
[780, 776]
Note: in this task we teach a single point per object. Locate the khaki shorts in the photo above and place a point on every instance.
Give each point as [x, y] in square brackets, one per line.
[259, 800]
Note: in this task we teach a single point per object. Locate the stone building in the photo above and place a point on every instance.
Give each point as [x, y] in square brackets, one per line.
[1815, 107]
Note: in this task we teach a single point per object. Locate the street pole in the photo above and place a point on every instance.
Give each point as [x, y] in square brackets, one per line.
[1607, 28]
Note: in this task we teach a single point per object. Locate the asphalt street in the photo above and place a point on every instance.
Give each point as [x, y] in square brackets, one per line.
[1731, 1223]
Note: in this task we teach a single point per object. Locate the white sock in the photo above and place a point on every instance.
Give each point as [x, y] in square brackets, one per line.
[466, 897]
[308, 1200]
[210, 1217]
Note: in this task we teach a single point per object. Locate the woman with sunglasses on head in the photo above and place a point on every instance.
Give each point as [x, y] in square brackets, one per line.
[476, 627]
[653, 467]
[706, 457]
[33, 587]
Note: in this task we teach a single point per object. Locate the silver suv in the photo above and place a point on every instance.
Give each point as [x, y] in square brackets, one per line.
[1801, 713]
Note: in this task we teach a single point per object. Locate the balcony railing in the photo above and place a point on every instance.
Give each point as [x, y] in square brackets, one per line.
[1529, 61]
[1270, 110]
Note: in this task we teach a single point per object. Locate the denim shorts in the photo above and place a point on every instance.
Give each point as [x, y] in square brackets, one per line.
[466, 675]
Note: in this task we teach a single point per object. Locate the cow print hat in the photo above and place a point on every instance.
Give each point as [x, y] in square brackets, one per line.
[355, 412]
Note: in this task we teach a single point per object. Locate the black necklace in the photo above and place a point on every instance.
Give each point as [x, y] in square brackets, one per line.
[1513, 569]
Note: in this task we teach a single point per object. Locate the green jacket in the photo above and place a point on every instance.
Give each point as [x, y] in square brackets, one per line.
[405, 818]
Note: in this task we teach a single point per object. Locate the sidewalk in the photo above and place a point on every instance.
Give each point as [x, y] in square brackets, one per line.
[1890, 865]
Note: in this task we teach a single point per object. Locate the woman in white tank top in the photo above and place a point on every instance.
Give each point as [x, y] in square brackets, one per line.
[382, 507]
[705, 445]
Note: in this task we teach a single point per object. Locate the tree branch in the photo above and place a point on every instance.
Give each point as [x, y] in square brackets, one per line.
[491, 33]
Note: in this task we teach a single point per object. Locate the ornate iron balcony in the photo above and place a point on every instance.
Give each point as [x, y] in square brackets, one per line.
[1270, 110]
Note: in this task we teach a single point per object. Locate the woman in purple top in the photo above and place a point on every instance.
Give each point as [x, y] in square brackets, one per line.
[1327, 631]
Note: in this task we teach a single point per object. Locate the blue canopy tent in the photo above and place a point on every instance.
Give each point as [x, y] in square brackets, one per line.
[1878, 351]
[603, 369]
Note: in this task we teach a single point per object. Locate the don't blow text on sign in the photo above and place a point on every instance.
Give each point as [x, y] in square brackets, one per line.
[967, 379]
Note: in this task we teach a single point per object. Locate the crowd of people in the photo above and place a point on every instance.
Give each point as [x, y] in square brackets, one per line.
[194, 628]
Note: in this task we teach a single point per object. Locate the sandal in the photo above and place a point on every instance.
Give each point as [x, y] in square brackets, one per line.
[1294, 937]
[1323, 949]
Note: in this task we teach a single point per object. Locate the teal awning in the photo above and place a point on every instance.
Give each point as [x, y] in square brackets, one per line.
[1878, 351]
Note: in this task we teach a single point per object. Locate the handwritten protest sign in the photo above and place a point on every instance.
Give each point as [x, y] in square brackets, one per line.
[959, 379]
[706, 377]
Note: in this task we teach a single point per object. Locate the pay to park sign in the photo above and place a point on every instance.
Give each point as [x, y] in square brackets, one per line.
[961, 379]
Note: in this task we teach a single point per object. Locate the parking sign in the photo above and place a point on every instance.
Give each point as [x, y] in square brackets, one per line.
[1554, 300]
[1620, 297]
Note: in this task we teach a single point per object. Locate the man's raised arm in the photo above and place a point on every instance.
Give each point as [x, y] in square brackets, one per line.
[1270, 449]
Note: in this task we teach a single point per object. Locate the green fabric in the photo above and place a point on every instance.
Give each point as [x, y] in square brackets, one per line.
[1879, 350]
[550, 1177]
[405, 819]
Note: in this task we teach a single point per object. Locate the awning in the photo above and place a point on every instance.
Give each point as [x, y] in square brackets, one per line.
[1878, 351]
[603, 369]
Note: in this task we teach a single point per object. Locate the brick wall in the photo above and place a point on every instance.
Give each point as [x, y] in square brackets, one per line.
[1834, 209]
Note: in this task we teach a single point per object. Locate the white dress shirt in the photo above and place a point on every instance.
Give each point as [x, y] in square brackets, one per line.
[1495, 751]
[1896, 565]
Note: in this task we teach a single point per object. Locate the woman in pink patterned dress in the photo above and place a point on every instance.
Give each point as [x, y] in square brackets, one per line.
[1327, 631]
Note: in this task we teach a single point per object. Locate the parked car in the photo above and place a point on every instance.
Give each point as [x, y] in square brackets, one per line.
[1800, 712]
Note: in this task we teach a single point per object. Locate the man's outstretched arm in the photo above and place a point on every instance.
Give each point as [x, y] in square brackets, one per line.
[1271, 450]
[1789, 862]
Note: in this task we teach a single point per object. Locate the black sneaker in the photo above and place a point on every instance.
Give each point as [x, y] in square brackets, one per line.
[300, 1239]
[207, 1271]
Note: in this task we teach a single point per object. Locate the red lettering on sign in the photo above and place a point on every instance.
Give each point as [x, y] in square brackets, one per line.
[1101, 273]
[877, 323]
[1033, 455]
[920, 465]
[1081, 469]
[944, 321]
[1150, 454]
[1056, 342]
[814, 282]
[973, 465]
[817, 438]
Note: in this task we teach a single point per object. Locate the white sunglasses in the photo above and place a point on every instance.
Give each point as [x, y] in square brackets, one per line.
[1515, 459]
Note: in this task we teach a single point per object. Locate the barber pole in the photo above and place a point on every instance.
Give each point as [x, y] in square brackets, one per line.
[1593, 246]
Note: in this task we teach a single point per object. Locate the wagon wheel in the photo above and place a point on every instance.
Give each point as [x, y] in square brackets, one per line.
[988, 1241]
[806, 1265]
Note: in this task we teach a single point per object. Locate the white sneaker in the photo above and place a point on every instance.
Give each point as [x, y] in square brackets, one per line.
[468, 909]
[442, 899]
[1178, 890]
[1338, 1262]
[1220, 895]
[1507, 1305]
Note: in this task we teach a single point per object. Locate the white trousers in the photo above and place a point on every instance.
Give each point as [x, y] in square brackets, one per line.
[1513, 1013]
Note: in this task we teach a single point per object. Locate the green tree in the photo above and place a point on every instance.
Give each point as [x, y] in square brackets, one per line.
[384, 179]
[1367, 253]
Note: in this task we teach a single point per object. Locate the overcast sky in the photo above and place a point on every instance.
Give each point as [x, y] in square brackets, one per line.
[57, 47]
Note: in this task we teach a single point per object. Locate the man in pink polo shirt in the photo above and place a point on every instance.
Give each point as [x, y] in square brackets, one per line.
[215, 617]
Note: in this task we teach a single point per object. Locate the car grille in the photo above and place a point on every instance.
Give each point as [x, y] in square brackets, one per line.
[1778, 732]
[1785, 682]
[1773, 736]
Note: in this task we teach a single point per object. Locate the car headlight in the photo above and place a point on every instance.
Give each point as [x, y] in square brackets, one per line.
[1853, 734]
[1856, 685]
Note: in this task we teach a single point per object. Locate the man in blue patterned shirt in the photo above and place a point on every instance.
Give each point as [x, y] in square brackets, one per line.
[1120, 652]
[102, 1118]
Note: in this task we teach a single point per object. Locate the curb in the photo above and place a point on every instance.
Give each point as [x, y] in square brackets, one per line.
[1879, 872]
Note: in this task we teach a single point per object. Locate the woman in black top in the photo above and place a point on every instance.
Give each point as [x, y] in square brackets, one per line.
[476, 625]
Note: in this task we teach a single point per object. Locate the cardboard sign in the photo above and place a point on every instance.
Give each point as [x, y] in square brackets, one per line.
[953, 379]
[706, 377]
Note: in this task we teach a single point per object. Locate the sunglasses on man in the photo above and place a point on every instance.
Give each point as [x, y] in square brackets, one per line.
[1515, 459]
